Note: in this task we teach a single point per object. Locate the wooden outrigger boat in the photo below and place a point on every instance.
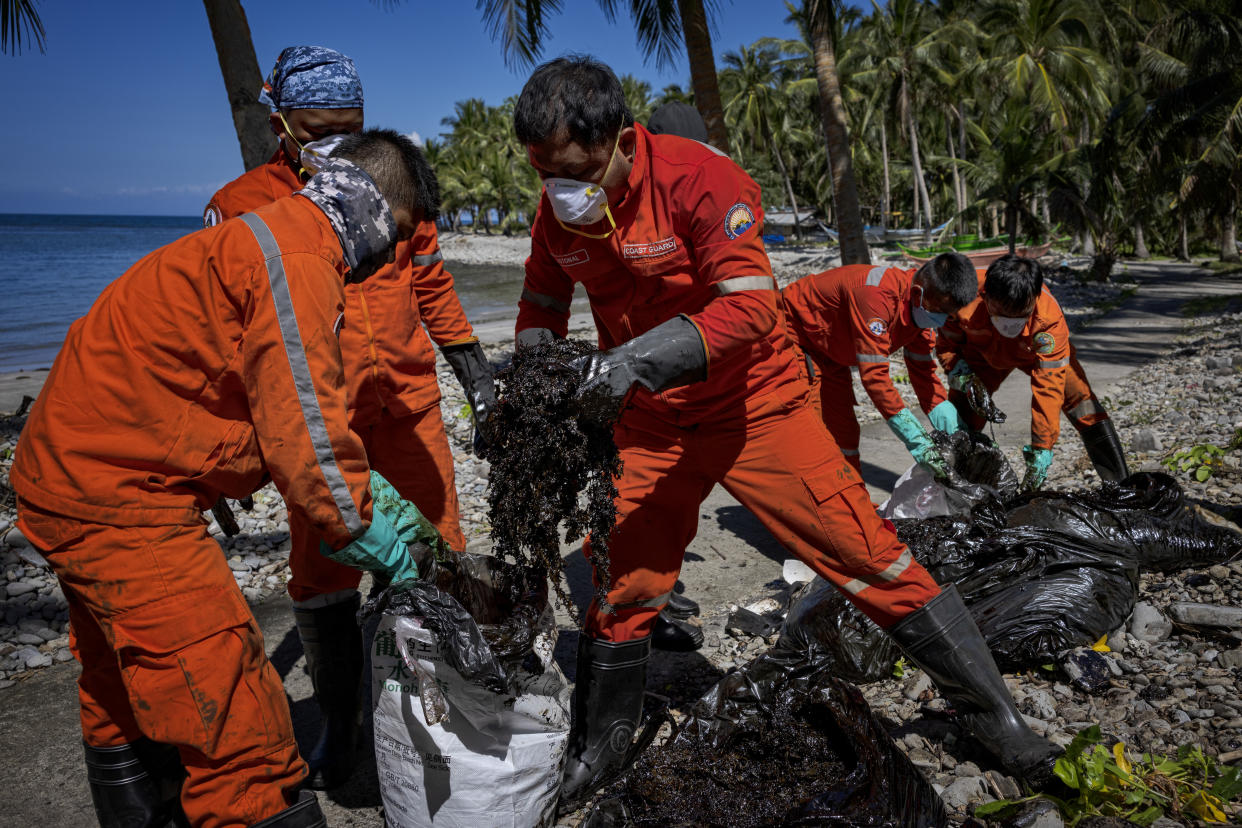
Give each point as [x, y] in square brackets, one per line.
[981, 253]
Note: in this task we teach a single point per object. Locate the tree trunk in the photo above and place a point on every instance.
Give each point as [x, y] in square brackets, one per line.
[1140, 244]
[887, 206]
[703, 71]
[1011, 225]
[1088, 244]
[957, 179]
[961, 145]
[995, 223]
[1229, 233]
[1183, 240]
[920, 184]
[242, 79]
[780, 163]
[853, 241]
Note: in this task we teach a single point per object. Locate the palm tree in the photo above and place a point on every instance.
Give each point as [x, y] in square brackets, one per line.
[637, 97]
[18, 23]
[242, 79]
[753, 100]
[663, 28]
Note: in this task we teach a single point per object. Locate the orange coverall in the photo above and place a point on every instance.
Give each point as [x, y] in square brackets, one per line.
[209, 364]
[687, 242]
[858, 315]
[390, 375]
[1042, 351]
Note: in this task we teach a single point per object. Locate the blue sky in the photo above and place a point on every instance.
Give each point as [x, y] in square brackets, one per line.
[126, 111]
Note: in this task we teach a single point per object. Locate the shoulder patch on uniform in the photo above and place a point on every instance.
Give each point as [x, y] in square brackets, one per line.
[738, 219]
[1044, 342]
[211, 216]
[877, 326]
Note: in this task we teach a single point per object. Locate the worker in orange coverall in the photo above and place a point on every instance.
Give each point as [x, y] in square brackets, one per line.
[1015, 322]
[208, 365]
[663, 233]
[857, 315]
[392, 392]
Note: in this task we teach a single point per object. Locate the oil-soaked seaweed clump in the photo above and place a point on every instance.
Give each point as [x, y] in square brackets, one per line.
[553, 461]
[767, 767]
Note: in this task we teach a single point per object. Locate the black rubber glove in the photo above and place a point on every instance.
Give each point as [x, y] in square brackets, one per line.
[474, 373]
[669, 355]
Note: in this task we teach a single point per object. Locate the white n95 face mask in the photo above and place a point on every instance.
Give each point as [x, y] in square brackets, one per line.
[576, 202]
[1008, 326]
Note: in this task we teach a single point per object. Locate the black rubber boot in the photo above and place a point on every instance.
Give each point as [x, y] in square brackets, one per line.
[136, 785]
[608, 704]
[674, 634]
[1105, 452]
[942, 639]
[305, 813]
[679, 606]
[332, 642]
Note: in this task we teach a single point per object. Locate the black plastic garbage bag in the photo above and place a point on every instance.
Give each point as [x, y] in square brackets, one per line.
[978, 471]
[782, 741]
[1040, 573]
[486, 613]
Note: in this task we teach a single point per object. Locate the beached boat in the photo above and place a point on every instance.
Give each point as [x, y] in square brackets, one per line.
[981, 253]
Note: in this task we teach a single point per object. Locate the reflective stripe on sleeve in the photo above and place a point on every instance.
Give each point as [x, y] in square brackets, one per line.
[874, 275]
[299, 367]
[544, 301]
[745, 283]
[920, 357]
[871, 357]
[657, 601]
[1053, 363]
[427, 259]
[1085, 409]
[850, 452]
[890, 573]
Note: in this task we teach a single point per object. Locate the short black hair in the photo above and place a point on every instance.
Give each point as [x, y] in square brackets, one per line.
[953, 275]
[398, 168]
[575, 95]
[1014, 282]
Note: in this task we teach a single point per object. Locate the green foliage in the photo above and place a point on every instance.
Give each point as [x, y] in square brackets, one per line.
[1191, 785]
[1203, 459]
[899, 668]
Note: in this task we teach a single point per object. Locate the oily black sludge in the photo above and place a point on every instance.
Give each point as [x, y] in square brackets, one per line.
[553, 462]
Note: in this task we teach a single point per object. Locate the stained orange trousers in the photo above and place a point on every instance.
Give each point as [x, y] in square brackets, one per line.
[785, 468]
[413, 454]
[834, 398]
[170, 651]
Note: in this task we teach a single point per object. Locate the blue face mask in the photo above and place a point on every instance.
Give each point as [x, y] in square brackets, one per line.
[922, 316]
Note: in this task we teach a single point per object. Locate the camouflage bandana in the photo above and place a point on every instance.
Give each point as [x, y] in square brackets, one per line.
[312, 77]
[359, 215]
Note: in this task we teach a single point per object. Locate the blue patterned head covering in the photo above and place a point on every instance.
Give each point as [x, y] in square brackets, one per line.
[312, 77]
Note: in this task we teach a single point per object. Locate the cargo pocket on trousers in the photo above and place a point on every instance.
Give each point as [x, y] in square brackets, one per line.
[846, 515]
[184, 659]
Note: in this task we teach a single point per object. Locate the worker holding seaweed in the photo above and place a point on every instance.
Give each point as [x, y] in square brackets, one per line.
[855, 316]
[1015, 323]
[663, 234]
[386, 335]
[209, 365]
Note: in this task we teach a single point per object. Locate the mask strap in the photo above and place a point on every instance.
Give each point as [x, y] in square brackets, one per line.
[607, 214]
[302, 171]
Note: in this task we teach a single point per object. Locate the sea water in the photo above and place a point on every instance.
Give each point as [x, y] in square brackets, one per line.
[53, 267]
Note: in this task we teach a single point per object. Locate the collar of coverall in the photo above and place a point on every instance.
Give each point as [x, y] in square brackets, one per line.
[626, 206]
[359, 214]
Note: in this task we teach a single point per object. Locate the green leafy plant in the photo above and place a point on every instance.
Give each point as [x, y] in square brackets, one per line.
[899, 668]
[1109, 784]
[1202, 458]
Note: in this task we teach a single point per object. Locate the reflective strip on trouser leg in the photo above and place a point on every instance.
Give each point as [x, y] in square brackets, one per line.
[657, 517]
[1080, 405]
[187, 666]
[797, 483]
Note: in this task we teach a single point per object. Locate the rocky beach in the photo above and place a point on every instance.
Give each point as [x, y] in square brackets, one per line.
[1174, 679]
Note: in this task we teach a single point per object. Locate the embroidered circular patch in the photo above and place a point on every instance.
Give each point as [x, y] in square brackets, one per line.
[1044, 342]
[738, 220]
[876, 325]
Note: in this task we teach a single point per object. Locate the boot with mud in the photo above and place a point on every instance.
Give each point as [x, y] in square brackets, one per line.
[608, 704]
[332, 642]
[1104, 450]
[136, 785]
[943, 640]
[305, 813]
[674, 634]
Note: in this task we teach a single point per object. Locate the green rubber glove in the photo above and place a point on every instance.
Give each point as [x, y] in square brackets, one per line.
[1038, 461]
[944, 417]
[960, 376]
[921, 448]
[384, 547]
